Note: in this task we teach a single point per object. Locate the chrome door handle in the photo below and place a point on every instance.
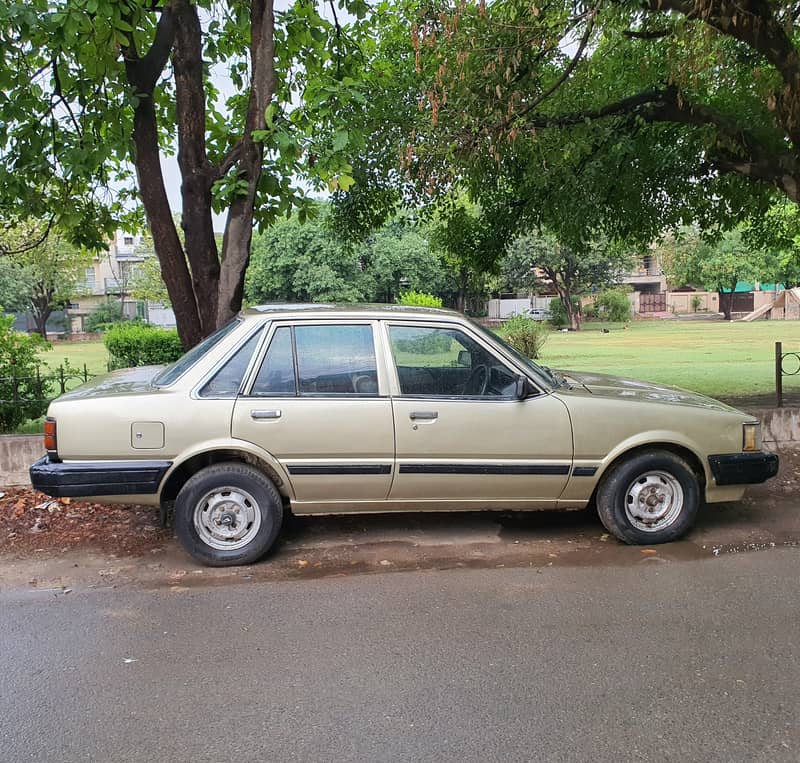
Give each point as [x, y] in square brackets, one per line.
[265, 414]
[423, 415]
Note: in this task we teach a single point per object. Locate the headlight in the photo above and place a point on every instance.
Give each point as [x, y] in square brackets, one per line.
[751, 436]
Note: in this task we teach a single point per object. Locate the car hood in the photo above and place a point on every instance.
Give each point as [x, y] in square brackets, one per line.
[605, 385]
[125, 381]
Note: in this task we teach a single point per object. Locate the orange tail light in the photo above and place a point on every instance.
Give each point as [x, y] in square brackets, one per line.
[50, 444]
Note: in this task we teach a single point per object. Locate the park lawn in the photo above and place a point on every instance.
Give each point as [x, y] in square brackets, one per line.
[93, 354]
[713, 357]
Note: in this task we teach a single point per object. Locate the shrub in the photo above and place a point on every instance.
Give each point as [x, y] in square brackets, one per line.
[696, 302]
[613, 305]
[139, 344]
[525, 335]
[558, 315]
[23, 392]
[419, 299]
[106, 315]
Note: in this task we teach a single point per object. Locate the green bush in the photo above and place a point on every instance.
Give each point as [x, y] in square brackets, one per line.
[23, 391]
[104, 316]
[525, 335]
[558, 315]
[419, 299]
[139, 344]
[696, 302]
[613, 305]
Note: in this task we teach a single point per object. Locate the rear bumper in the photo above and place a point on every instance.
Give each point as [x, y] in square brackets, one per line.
[743, 468]
[84, 479]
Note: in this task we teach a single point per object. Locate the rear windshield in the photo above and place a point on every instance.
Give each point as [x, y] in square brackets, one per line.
[185, 362]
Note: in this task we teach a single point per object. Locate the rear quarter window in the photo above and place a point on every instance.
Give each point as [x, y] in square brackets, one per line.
[173, 372]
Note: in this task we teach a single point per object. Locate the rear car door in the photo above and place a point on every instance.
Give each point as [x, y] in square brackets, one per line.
[461, 434]
[318, 402]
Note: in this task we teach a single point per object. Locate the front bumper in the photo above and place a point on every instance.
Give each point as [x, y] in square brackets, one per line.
[743, 468]
[83, 479]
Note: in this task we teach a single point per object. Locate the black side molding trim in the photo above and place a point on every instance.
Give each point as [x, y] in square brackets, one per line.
[584, 471]
[484, 469]
[743, 468]
[89, 478]
[340, 469]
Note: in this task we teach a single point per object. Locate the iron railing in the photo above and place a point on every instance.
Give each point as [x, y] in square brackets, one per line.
[42, 387]
[786, 364]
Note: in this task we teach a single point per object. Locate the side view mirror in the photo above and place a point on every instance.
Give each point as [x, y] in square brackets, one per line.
[522, 388]
[465, 358]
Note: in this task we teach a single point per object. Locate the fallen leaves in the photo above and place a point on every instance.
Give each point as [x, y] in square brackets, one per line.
[31, 521]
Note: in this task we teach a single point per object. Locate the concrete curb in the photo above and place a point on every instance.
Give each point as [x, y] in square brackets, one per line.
[18, 452]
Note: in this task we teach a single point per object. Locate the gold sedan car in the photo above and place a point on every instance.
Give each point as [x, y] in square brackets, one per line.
[340, 409]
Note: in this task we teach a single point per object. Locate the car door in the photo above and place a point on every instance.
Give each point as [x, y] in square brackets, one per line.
[461, 434]
[318, 402]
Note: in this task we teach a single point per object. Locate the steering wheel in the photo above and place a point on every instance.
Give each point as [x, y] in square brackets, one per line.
[478, 381]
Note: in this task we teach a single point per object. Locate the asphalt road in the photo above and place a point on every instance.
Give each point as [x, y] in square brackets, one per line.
[655, 660]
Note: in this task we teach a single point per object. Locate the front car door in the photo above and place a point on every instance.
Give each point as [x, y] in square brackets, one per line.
[461, 434]
[318, 402]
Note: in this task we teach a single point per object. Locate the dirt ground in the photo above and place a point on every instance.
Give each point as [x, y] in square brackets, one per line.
[31, 522]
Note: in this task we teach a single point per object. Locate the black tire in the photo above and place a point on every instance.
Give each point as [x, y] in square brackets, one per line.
[262, 504]
[623, 493]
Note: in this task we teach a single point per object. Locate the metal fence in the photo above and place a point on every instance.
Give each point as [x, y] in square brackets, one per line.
[786, 364]
[44, 386]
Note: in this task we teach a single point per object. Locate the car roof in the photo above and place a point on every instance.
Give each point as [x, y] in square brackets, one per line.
[335, 311]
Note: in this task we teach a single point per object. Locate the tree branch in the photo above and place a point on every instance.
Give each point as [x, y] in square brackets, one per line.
[230, 160]
[749, 21]
[656, 34]
[559, 82]
[144, 71]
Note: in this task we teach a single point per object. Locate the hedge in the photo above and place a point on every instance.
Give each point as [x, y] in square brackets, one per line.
[139, 344]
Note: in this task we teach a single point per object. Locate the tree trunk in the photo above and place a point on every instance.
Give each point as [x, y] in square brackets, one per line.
[565, 295]
[239, 225]
[203, 292]
[174, 269]
[726, 300]
[41, 309]
[143, 73]
[196, 220]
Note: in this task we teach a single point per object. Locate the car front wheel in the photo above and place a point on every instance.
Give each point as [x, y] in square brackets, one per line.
[228, 514]
[650, 498]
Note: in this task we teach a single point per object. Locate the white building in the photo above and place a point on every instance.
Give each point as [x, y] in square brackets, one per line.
[110, 278]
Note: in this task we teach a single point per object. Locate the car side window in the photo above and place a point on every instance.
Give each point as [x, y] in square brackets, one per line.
[276, 375]
[328, 360]
[446, 362]
[338, 360]
[226, 381]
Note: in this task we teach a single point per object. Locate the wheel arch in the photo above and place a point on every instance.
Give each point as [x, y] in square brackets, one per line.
[678, 449]
[181, 472]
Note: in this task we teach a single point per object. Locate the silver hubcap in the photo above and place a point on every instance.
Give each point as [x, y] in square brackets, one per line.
[653, 501]
[227, 518]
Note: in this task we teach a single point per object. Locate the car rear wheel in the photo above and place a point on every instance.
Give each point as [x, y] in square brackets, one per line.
[228, 514]
[650, 498]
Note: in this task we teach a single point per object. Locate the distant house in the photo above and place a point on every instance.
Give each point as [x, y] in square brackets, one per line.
[649, 285]
[110, 277]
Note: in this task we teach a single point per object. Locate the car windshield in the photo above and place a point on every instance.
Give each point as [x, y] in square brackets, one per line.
[543, 375]
[172, 372]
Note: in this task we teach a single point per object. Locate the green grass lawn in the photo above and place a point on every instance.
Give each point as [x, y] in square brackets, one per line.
[93, 354]
[716, 358]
